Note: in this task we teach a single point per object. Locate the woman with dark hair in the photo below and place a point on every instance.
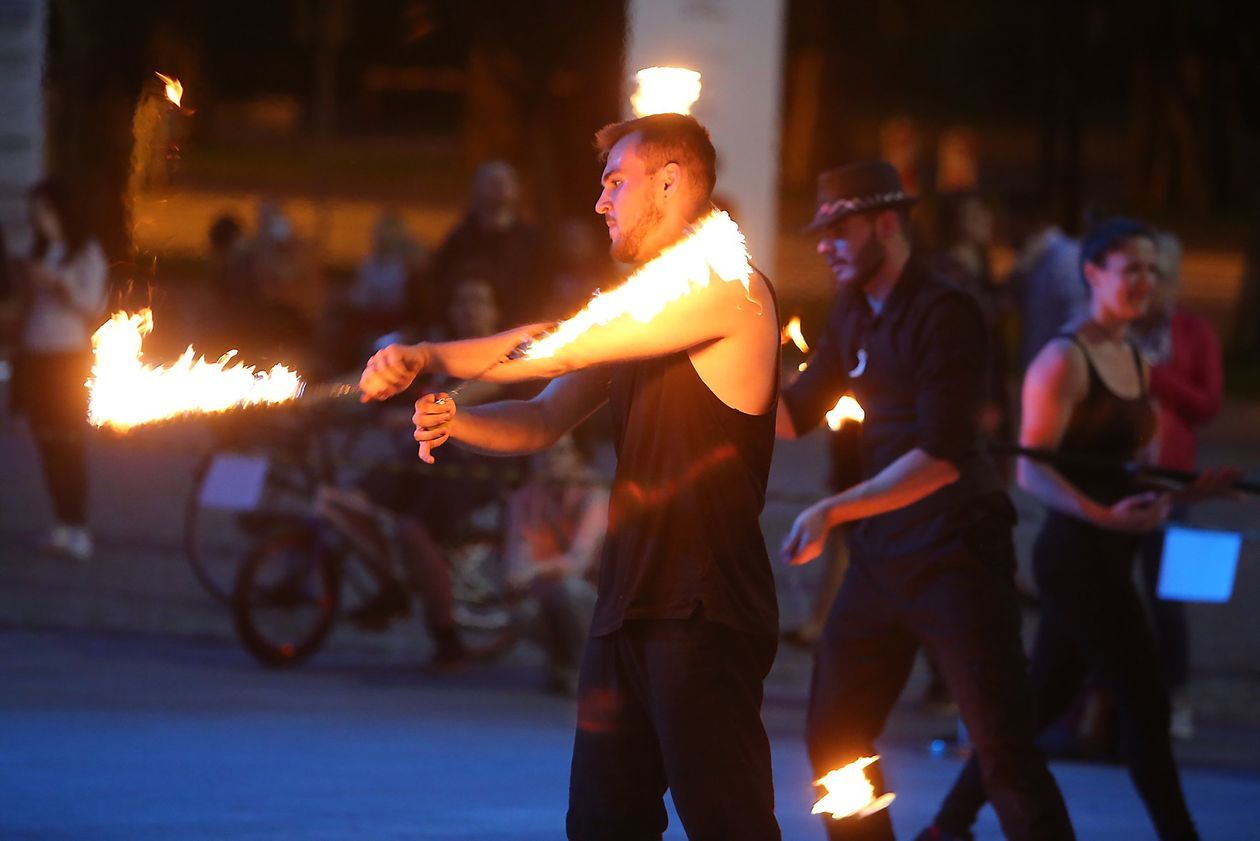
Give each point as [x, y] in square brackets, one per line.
[1086, 396]
[64, 295]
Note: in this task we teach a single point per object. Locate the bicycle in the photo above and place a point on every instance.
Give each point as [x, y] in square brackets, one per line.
[262, 470]
[299, 581]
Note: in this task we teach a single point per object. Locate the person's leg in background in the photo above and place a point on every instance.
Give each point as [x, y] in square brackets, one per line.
[56, 404]
[861, 664]
[836, 562]
[1172, 634]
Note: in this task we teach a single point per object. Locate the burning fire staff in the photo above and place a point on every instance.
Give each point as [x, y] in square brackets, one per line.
[932, 557]
[685, 624]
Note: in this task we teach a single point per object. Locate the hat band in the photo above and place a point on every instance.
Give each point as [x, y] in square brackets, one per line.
[854, 205]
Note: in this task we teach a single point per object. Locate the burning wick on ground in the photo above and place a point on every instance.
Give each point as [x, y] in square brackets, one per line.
[850, 793]
[124, 392]
[174, 88]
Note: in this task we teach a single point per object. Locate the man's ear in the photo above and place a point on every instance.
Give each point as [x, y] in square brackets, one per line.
[1091, 273]
[671, 179]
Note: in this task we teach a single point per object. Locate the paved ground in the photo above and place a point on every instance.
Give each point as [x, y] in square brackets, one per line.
[134, 737]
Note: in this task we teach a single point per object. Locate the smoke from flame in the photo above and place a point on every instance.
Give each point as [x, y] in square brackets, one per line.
[849, 792]
[846, 409]
[124, 392]
[665, 90]
[174, 88]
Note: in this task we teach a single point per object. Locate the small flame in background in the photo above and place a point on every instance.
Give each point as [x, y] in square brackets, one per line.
[715, 246]
[846, 409]
[665, 90]
[793, 332]
[849, 792]
[174, 88]
[124, 392]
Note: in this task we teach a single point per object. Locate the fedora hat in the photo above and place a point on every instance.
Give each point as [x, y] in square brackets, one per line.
[857, 188]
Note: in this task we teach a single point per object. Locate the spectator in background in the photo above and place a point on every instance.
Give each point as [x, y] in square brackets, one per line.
[494, 233]
[556, 525]
[1046, 279]
[377, 300]
[580, 268]
[1187, 384]
[63, 302]
[286, 294]
[964, 236]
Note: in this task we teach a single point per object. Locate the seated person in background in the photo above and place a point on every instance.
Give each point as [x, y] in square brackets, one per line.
[461, 502]
[376, 302]
[556, 525]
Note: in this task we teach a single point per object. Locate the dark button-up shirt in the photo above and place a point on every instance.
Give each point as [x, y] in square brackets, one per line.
[918, 369]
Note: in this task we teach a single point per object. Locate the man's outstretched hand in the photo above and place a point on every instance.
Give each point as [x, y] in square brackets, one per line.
[390, 370]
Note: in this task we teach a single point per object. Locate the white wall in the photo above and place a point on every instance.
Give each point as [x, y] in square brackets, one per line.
[737, 46]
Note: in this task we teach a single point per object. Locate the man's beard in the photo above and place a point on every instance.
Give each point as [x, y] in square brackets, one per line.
[628, 247]
[868, 261]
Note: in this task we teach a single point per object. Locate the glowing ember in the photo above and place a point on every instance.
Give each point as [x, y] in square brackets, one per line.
[665, 90]
[714, 246]
[849, 792]
[174, 88]
[846, 409]
[793, 331]
[124, 392]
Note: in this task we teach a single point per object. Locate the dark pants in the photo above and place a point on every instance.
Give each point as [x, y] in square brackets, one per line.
[672, 704]
[962, 610]
[1092, 622]
[49, 390]
[1172, 636]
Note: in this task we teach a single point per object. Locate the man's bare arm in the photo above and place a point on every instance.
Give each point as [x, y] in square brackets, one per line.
[512, 427]
[703, 315]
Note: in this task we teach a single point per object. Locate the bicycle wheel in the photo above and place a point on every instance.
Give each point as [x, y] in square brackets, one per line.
[286, 597]
[237, 497]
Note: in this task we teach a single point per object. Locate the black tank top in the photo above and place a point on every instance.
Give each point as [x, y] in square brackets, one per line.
[683, 529]
[1107, 429]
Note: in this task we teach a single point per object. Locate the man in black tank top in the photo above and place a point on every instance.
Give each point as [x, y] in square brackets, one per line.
[686, 621]
[932, 560]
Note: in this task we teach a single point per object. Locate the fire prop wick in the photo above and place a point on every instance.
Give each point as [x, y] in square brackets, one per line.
[850, 793]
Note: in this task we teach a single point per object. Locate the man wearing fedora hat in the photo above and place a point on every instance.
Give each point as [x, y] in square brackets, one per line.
[932, 560]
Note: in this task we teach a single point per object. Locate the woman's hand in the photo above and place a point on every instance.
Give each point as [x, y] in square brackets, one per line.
[805, 540]
[390, 370]
[433, 416]
[1139, 513]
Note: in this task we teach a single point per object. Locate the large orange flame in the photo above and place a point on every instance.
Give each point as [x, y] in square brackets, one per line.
[846, 409]
[174, 88]
[715, 246]
[850, 793]
[124, 392]
[665, 90]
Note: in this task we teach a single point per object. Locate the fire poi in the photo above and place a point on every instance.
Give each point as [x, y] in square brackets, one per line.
[846, 409]
[174, 88]
[124, 392]
[850, 793]
[665, 90]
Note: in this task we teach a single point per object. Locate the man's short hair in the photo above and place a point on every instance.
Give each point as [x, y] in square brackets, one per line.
[666, 138]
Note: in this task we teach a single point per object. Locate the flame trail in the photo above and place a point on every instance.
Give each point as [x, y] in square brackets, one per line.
[124, 392]
[714, 246]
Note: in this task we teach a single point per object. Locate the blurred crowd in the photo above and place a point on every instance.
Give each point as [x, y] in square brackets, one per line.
[495, 269]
